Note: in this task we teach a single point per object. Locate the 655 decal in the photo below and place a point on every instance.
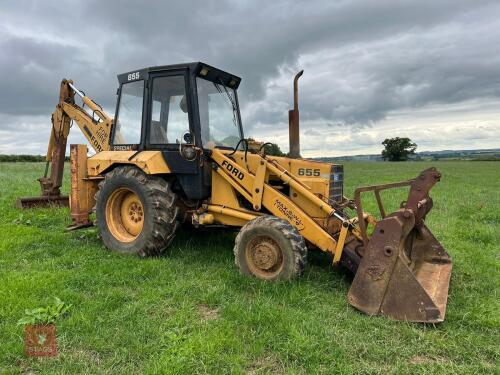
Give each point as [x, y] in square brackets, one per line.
[309, 172]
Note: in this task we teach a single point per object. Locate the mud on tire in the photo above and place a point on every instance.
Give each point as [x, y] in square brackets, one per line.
[270, 248]
[136, 213]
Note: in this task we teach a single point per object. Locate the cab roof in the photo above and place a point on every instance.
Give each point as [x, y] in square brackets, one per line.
[193, 68]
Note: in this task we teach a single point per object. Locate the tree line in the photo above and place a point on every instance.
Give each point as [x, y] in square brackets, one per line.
[395, 149]
[23, 158]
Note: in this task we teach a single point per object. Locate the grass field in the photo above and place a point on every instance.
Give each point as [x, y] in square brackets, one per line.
[192, 312]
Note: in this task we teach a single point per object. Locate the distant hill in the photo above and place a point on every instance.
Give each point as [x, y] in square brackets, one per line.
[487, 154]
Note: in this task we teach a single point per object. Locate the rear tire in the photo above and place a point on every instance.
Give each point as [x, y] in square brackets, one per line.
[270, 248]
[136, 213]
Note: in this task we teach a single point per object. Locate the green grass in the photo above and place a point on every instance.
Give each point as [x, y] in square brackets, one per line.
[192, 312]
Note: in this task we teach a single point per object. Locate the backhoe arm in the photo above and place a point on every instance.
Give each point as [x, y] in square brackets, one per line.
[96, 127]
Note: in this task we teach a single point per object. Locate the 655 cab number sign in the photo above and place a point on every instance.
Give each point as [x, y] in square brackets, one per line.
[133, 76]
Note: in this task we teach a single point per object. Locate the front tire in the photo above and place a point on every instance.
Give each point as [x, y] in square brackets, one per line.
[270, 248]
[136, 213]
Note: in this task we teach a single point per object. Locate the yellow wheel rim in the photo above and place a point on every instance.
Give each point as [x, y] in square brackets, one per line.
[124, 215]
[264, 257]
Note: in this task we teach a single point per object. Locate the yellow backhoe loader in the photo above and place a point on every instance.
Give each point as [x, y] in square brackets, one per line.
[175, 152]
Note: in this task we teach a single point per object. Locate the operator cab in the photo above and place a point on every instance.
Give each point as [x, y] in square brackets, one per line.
[157, 106]
[175, 108]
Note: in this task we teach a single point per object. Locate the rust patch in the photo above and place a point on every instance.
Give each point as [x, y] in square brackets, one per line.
[375, 272]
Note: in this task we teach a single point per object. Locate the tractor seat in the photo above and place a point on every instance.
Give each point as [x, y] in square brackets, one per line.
[158, 134]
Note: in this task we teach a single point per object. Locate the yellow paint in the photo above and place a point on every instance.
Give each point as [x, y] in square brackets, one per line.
[235, 172]
[222, 192]
[258, 185]
[230, 216]
[240, 214]
[82, 189]
[151, 162]
[124, 215]
[206, 219]
[340, 244]
[97, 132]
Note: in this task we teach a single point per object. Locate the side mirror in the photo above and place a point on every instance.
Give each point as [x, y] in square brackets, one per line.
[188, 138]
[187, 150]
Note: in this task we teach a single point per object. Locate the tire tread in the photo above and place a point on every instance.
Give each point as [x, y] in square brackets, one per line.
[297, 242]
[165, 211]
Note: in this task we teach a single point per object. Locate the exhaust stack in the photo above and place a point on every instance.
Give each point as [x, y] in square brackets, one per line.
[293, 120]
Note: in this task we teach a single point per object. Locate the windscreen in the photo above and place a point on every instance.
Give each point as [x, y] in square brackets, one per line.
[219, 116]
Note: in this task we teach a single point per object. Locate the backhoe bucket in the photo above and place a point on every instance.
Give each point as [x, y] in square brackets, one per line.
[404, 272]
[50, 197]
[43, 201]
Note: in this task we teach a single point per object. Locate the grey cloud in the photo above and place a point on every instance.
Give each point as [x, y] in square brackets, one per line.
[363, 59]
[29, 66]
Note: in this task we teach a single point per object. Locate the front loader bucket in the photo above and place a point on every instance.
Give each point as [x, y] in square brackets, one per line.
[404, 272]
[403, 275]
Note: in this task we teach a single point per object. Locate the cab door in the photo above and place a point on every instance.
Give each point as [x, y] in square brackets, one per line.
[170, 118]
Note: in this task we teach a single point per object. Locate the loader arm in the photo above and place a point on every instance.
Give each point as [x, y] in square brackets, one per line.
[253, 187]
[95, 127]
[401, 270]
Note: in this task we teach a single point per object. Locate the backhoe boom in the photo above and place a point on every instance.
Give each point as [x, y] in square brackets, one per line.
[96, 128]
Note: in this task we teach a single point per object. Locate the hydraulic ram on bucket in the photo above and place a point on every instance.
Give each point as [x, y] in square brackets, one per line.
[51, 184]
[404, 272]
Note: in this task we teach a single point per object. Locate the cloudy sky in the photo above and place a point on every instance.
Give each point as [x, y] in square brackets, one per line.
[429, 70]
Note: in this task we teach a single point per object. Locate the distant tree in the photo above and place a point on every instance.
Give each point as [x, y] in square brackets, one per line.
[398, 149]
[273, 149]
[269, 148]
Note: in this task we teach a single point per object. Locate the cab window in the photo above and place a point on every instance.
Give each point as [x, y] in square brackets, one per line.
[169, 112]
[129, 115]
